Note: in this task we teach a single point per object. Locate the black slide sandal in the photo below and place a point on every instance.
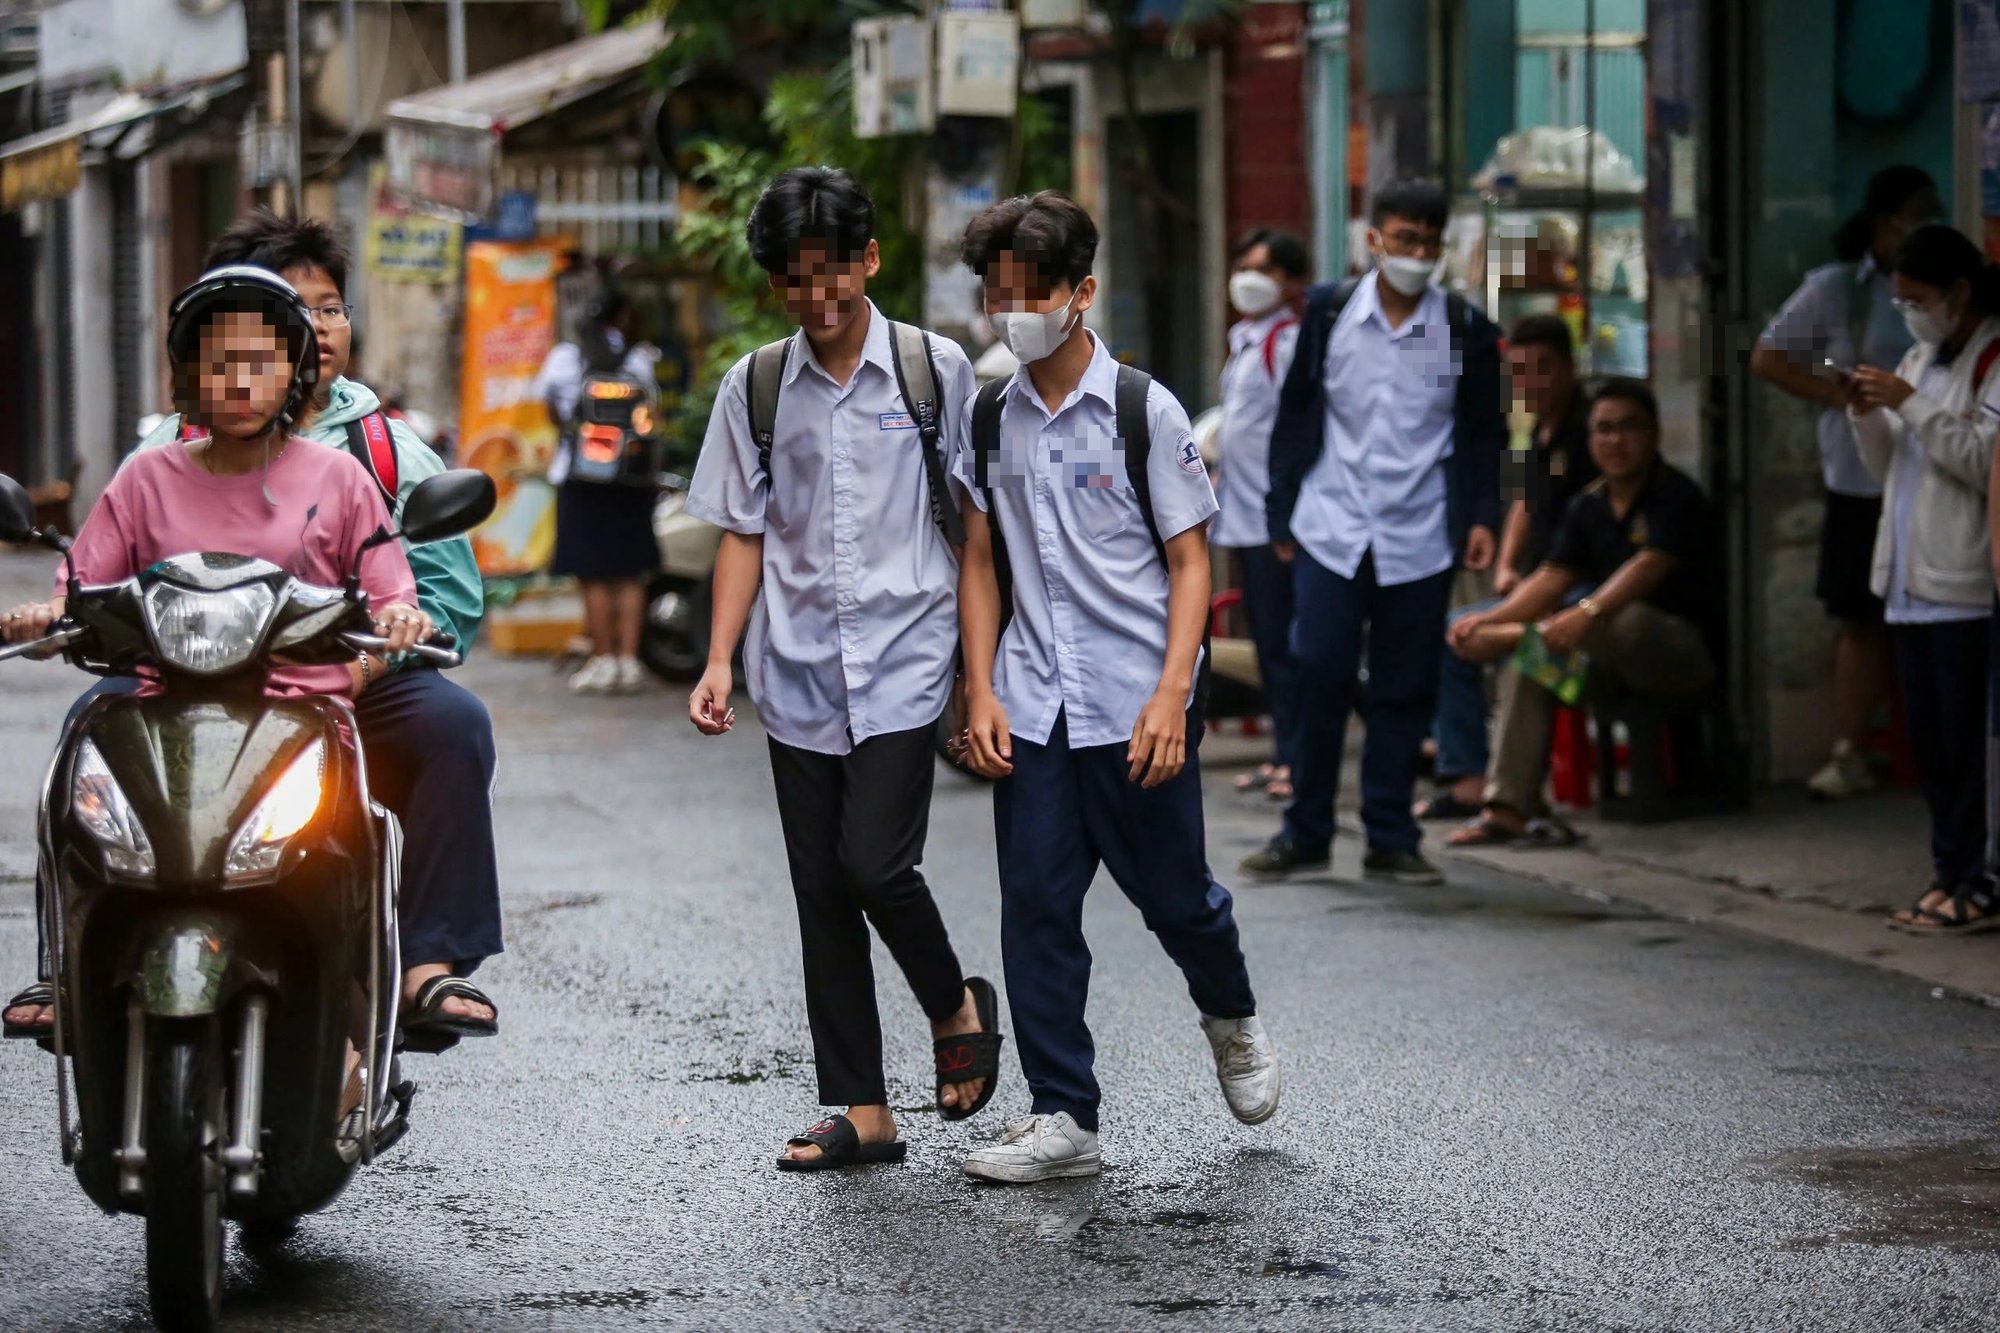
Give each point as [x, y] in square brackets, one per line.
[840, 1145]
[428, 1030]
[974, 1055]
[41, 993]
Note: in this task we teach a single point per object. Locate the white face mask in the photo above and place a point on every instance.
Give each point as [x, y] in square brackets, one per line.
[1254, 293]
[1927, 324]
[1408, 276]
[1033, 334]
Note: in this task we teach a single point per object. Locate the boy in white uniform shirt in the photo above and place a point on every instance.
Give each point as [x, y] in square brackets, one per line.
[1084, 709]
[832, 507]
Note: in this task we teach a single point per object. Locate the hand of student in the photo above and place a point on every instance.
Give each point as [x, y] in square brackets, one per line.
[708, 706]
[1285, 551]
[1875, 387]
[27, 622]
[403, 626]
[1479, 547]
[1158, 751]
[1506, 578]
[1563, 632]
[1459, 635]
[992, 754]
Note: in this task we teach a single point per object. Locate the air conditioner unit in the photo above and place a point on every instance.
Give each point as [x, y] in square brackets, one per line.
[892, 77]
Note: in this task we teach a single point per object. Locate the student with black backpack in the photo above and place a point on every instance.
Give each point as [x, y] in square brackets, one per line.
[1083, 601]
[824, 466]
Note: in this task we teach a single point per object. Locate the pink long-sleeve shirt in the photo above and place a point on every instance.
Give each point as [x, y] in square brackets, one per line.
[162, 504]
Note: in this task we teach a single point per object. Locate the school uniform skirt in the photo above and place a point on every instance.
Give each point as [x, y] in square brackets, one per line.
[604, 532]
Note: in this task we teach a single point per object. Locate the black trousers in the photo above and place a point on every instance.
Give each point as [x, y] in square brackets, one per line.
[854, 834]
[1942, 670]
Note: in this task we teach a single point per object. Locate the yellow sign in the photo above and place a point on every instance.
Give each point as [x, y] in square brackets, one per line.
[510, 324]
[40, 173]
[404, 246]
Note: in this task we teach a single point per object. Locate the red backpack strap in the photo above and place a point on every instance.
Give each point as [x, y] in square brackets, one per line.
[1271, 345]
[369, 440]
[190, 431]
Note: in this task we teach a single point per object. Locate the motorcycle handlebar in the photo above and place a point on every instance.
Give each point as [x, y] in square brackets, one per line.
[60, 639]
[375, 643]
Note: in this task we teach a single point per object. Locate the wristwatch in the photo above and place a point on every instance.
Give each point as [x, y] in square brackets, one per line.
[1588, 606]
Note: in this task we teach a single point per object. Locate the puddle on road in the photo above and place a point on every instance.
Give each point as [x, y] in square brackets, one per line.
[562, 904]
[1942, 1196]
[1500, 909]
[634, 1299]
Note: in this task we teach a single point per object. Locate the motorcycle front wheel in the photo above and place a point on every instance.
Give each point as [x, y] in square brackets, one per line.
[673, 639]
[185, 1118]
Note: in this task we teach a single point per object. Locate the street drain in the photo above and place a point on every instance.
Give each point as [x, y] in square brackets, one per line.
[1942, 1196]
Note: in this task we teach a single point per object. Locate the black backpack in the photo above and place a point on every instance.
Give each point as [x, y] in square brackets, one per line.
[615, 431]
[765, 377]
[1135, 439]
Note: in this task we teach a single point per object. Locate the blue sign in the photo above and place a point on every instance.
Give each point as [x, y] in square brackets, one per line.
[513, 219]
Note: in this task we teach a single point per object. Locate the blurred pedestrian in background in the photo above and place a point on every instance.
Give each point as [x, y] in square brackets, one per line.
[1844, 315]
[604, 528]
[1271, 268]
[1926, 432]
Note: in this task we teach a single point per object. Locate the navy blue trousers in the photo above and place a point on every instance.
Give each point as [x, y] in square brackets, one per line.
[1267, 603]
[430, 760]
[1401, 627]
[1060, 815]
[1943, 673]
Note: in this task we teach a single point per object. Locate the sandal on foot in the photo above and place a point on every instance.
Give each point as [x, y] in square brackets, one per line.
[1446, 805]
[1548, 831]
[1902, 917]
[1484, 831]
[1955, 917]
[1256, 780]
[40, 995]
[975, 1055]
[429, 1030]
[840, 1145]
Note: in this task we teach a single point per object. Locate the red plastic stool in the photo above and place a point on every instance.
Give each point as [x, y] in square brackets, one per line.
[1572, 761]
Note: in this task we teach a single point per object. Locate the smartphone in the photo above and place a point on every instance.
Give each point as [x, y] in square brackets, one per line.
[1835, 370]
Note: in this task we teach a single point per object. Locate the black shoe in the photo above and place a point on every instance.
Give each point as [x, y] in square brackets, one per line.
[1402, 867]
[1280, 857]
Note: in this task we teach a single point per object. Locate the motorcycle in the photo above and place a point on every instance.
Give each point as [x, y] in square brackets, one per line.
[673, 641]
[220, 903]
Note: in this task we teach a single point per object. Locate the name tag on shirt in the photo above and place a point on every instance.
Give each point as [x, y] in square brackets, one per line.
[898, 421]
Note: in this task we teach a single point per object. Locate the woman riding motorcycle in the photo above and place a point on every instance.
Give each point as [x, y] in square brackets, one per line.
[245, 361]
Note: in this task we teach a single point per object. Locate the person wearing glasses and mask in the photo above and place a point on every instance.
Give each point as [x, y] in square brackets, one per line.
[1385, 478]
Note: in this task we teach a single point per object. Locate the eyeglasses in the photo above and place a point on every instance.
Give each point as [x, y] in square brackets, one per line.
[335, 316]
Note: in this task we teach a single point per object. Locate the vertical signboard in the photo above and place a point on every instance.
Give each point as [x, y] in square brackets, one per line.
[510, 325]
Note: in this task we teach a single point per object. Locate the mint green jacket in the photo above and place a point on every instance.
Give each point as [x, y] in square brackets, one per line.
[449, 587]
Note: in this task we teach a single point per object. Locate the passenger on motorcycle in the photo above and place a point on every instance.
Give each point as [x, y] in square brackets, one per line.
[249, 350]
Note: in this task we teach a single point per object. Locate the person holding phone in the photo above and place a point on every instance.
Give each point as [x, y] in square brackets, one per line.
[1843, 316]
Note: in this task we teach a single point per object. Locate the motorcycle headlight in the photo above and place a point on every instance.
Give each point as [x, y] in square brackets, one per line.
[208, 633]
[258, 848]
[103, 810]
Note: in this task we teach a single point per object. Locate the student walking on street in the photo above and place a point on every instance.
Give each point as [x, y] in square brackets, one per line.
[1083, 598]
[1926, 431]
[1385, 462]
[824, 466]
[1844, 314]
[1270, 276]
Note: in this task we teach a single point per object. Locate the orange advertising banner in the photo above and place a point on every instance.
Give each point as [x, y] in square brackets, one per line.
[510, 324]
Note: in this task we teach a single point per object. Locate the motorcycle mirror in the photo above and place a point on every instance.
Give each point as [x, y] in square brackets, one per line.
[448, 505]
[17, 513]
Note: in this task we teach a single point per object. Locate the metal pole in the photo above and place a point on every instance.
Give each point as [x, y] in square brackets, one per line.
[294, 119]
[454, 28]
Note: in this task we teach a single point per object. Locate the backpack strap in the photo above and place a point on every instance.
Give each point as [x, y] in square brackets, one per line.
[1135, 438]
[916, 369]
[369, 440]
[765, 376]
[986, 406]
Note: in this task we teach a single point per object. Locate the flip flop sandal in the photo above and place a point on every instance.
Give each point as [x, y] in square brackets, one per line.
[429, 1030]
[975, 1055]
[839, 1145]
[1255, 781]
[1548, 832]
[1983, 900]
[1446, 805]
[1280, 789]
[41, 993]
[1483, 832]
[1903, 917]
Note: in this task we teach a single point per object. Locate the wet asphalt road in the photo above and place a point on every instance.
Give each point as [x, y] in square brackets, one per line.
[1505, 1107]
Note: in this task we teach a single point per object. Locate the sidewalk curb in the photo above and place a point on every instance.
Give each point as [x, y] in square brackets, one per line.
[1959, 968]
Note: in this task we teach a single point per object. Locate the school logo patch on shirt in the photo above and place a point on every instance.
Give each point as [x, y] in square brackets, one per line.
[1189, 456]
[898, 421]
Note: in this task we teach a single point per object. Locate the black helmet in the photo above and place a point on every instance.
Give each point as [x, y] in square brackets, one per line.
[242, 287]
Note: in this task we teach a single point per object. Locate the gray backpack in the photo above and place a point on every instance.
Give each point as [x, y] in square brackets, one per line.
[914, 369]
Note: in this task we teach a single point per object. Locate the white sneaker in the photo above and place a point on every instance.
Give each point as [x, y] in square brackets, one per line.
[598, 676]
[1246, 1064]
[1846, 773]
[1042, 1147]
[629, 677]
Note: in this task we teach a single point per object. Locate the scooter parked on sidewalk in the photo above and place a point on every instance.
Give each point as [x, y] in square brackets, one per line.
[221, 900]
